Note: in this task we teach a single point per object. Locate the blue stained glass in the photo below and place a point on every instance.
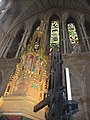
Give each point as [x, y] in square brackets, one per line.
[55, 34]
[55, 39]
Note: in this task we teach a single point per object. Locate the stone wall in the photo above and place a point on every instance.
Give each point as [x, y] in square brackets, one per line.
[79, 65]
[7, 66]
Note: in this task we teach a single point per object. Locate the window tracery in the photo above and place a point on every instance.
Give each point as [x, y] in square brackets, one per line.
[73, 33]
[73, 37]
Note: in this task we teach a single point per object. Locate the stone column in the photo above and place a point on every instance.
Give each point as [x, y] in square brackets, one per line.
[4, 44]
[85, 107]
[8, 46]
[21, 43]
[84, 98]
[2, 32]
[46, 38]
[86, 37]
[63, 39]
[83, 34]
[25, 40]
[67, 39]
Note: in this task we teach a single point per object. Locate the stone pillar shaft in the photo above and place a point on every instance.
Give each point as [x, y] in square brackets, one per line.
[8, 47]
[84, 36]
[21, 43]
[64, 36]
[4, 45]
[25, 40]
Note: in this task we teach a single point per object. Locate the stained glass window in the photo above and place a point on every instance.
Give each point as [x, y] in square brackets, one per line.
[72, 33]
[54, 36]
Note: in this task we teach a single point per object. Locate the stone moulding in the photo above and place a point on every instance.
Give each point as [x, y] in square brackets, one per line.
[22, 106]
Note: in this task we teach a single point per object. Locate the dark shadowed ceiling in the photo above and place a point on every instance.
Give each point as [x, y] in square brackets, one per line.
[88, 1]
[31, 7]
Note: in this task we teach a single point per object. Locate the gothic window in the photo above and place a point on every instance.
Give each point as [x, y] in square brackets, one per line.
[52, 33]
[54, 41]
[54, 36]
[34, 27]
[73, 36]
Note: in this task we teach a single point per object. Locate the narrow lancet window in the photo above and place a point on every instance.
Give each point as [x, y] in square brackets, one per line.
[72, 33]
[54, 36]
[73, 38]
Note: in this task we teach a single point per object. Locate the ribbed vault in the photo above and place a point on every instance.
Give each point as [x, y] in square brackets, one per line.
[39, 5]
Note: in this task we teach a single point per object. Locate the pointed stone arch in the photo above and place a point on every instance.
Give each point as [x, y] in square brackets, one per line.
[52, 12]
[77, 89]
[74, 18]
[35, 24]
[86, 78]
[52, 16]
[75, 78]
[72, 14]
[86, 89]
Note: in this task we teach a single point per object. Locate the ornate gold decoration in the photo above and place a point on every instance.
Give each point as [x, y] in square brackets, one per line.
[1, 101]
[30, 74]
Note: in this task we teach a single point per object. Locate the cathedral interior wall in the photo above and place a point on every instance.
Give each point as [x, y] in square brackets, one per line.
[79, 63]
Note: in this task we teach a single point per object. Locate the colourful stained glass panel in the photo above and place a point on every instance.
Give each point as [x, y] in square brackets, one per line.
[54, 38]
[72, 33]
